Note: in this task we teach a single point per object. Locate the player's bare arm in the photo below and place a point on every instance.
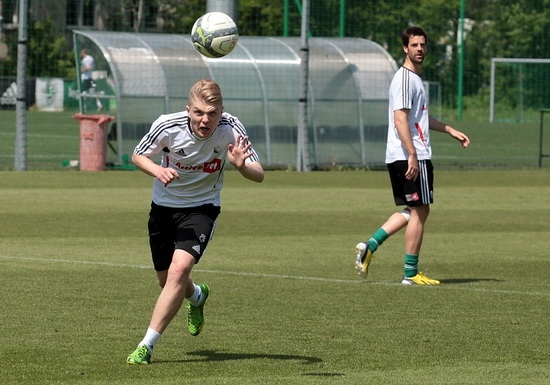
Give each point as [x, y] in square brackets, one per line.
[402, 125]
[436, 125]
[165, 175]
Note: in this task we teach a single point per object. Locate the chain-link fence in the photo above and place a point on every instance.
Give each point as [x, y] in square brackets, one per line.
[464, 37]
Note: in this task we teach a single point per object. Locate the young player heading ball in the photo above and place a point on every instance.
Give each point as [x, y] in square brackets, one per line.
[195, 145]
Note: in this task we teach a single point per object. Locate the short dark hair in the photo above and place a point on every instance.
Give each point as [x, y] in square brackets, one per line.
[412, 31]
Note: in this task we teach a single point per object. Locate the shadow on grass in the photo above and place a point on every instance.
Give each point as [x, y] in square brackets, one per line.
[214, 356]
[468, 280]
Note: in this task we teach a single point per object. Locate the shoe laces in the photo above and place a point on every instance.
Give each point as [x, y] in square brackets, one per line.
[142, 351]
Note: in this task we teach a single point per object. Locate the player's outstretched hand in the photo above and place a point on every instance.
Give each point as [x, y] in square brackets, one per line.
[238, 152]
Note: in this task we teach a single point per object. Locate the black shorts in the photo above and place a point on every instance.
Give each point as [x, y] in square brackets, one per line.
[412, 193]
[188, 229]
[87, 84]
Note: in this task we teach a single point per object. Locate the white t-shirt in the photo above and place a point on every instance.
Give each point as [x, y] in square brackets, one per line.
[407, 92]
[199, 162]
[87, 61]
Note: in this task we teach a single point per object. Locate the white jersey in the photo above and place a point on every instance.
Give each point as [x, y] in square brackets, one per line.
[199, 162]
[407, 92]
[87, 61]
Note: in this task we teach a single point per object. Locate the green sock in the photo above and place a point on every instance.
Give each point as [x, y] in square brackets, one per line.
[411, 265]
[377, 239]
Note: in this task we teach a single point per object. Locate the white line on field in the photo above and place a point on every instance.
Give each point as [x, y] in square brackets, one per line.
[262, 275]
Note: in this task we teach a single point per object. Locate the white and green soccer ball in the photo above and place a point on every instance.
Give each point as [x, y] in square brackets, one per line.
[214, 34]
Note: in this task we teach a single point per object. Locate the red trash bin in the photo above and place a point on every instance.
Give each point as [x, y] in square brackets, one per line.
[93, 141]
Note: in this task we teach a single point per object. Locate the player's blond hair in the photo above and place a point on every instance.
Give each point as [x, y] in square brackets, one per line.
[206, 90]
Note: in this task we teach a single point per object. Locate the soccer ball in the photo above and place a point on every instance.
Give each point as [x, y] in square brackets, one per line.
[214, 34]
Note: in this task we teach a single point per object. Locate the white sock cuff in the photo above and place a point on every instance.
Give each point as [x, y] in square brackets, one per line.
[196, 295]
[151, 338]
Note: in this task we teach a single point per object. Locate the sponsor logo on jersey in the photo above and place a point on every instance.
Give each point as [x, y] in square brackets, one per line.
[216, 150]
[214, 165]
[181, 152]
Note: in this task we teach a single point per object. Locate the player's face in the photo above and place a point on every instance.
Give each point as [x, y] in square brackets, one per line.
[416, 50]
[204, 117]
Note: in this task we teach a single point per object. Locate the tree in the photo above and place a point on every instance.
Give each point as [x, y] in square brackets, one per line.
[47, 53]
[178, 16]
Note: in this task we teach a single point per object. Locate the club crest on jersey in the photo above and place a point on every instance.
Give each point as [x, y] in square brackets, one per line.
[412, 197]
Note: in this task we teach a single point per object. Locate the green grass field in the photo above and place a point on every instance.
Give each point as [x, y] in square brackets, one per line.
[286, 306]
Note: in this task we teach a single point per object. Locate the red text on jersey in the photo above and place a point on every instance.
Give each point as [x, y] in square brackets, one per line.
[208, 167]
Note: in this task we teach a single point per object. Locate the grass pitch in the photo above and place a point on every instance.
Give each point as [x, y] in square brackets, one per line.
[287, 306]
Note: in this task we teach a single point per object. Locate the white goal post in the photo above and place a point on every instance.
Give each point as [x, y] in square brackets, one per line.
[494, 61]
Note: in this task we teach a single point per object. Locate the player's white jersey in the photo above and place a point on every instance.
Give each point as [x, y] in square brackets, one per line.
[199, 162]
[407, 92]
[89, 62]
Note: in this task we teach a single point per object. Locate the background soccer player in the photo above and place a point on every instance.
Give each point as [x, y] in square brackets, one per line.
[408, 158]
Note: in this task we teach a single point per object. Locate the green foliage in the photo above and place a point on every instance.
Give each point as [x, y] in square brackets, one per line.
[494, 28]
[47, 54]
[179, 16]
[48, 49]
[287, 306]
[506, 29]
[265, 18]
